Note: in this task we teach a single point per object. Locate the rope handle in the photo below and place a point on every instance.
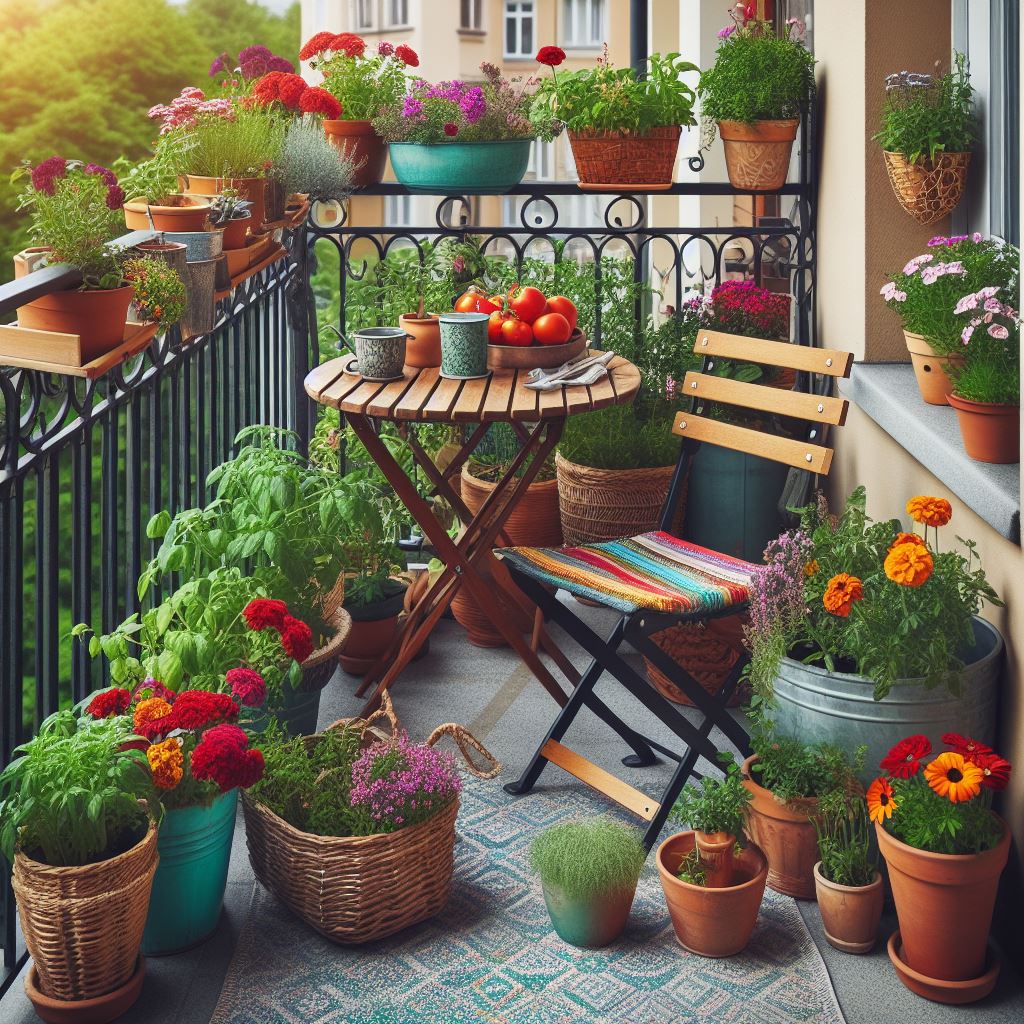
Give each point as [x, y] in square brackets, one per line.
[386, 711]
[467, 742]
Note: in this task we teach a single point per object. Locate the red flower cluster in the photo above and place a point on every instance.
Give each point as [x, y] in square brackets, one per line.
[223, 756]
[290, 89]
[247, 685]
[408, 56]
[316, 44]
[552, 56]
[904, 760]
[741, 307]
[44, 178]
[319, 101]
[45, 175]
[193, 709]
[349, 44]
[109, 703]
[297, 639]
[296, 636]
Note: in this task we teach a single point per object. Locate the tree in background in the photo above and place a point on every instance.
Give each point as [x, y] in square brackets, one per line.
[78, 76]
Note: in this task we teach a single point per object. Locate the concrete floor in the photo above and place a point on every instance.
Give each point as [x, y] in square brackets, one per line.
[492, 693]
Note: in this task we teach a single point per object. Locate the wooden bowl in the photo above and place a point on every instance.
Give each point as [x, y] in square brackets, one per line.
[530, 357]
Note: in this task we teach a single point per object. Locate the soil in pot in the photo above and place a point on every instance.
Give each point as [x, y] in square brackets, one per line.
[757, 154]
[98, 1010]
[592, 923]
[991, 432]
[363, 146]
[931, 369]
[97, 316]
[423, 344]
[850, 914]
[712, 922]
[373, 629]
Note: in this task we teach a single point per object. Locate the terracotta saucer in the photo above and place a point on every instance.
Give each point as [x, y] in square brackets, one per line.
[938, 990]
[100, 1010]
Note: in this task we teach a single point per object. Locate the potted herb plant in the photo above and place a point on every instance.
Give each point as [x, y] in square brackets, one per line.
[234, 214]
[623, 127]
[153, 200]
[755, 92]
[363, 84]
[83, 850]
[309, 165]
[846, 609]
[713, 885]
[927, 134]
[846, 878]
[588, 871]
[75, 212]
[452, 137]
[945, 849]
[159, 291]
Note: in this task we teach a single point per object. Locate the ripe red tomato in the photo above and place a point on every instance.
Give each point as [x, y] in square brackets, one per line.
[560, 304]
[498, 317]
[498, 300]
[527, 303]
[474, 302]
[515, 332]
[551, 329]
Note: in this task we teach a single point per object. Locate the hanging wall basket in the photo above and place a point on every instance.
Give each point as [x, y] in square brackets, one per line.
[928, 189]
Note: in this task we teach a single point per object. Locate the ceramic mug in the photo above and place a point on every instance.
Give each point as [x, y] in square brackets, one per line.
[379, 351]
[464, 344]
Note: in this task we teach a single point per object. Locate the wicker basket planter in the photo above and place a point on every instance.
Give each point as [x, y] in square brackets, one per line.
[928, 190]
[83, 925]
[624, 159]
[706, 651]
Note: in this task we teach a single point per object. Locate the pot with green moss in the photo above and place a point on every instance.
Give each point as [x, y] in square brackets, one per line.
[588, 870]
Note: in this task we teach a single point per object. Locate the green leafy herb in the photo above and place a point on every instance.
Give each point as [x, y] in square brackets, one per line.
[588, 858]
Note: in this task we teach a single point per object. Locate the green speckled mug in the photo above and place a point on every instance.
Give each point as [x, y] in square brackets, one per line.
[380, 352]
[464, 344]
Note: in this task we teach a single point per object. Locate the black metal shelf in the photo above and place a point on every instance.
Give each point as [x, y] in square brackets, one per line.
[572, 188]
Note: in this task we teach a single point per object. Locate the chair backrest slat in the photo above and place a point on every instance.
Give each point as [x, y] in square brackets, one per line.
[827, 361]
[820, 409]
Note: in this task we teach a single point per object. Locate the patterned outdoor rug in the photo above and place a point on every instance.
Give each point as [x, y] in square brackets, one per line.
[491, 956]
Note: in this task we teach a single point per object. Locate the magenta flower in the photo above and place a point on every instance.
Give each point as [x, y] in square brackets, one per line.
[724, 33]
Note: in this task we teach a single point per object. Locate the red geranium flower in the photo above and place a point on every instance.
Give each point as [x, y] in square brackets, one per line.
[451, 129]
[408, 56]
[903, 760]
[109, 703]
[964, 745]
[552, 56]
[996, 770]
[290, 89]
[265, 91]
[265, 613]
[319, 101]
[316, 44]
[349, 44]
[223, 757]
[296, 639]
[195, 709]
[247, 685]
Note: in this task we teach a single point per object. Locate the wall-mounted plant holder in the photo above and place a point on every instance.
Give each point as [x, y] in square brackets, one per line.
[55, 352]
[928, 190]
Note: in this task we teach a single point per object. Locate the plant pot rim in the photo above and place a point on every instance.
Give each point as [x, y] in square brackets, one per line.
[227, 177]
[427, 318]
[1001, 848]
[559, 457]
[622, 133]
[475, 142]
[757, 879]
[194, 203]
[923, 160]
[820, 878]
[469, 475]
[42, 300]
[80, 1006]
[761, 120]
[387, 607]
[38, 867]
[161, 246]
[981, 408]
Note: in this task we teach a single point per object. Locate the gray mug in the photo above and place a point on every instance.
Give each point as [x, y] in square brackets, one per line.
[379, 351]
[464, 344]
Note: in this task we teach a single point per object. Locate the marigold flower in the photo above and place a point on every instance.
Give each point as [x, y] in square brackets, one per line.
[222, 756]
[264, 613]
[929, 511]
[149, 714]
[909, 565]
[316, 44]
[408, 56]
[953, 777]
[996, 770]
[811, 568]
[296, 639]
[247, 685]
[842, 592]
[880, 800]
[109, 703]
[908, 538]
[167, 762]
[552, 56]
[969, 748]
[903, 760]
[319, 101]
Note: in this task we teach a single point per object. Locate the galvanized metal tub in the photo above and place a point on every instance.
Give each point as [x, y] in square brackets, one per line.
[815, 705]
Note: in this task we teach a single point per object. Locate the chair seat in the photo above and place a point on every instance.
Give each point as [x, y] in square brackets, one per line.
[653, 570]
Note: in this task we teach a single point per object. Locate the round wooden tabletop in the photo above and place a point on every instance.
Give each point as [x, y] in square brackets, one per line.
[425, 396]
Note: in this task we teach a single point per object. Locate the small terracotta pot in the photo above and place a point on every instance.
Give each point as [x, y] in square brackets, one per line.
[712, 922]
[592, 923]
[716, 850]
[757, 154]
[98, 1010]
[991, 432]
[373, 628]
[235, 232]
[97, 316]
[424, 339]
[944, 903]
[850, 914]
[253, 189]
[172, 213]
[931, 369]
[787, 835]
[359, 142]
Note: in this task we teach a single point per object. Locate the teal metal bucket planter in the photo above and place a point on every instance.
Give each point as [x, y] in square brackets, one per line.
[194, 844]
[451, 168]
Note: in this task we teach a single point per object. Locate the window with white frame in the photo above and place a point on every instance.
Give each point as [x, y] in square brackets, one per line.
[583, 23]
[398, 211]
[364, 15]
[519, 15]
[542, 160]
[396, 13]
[472, 16]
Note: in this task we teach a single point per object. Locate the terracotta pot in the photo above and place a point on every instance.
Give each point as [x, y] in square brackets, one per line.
[423, 344]
[944, 904]
[28, 260]
[373, 629]
[757, 154]
[99, 1010]
[716, 850]
[991, 432]
[939, 991]
[253, 189]
[235, 232]
[172, 213]
[534, 522]
[97, 316]
[850, 914]
[360, 143]
[480, 631]
[591, 923]
[787, 835]
[931, 369]
[712, 922]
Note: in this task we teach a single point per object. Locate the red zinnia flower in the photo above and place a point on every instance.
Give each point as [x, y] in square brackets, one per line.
[264, 613]
[349, 44]
[223, 757]
[296, 639]
[195, 709]
[109, 703]
[265, 91]
[316, 44]
[408, 56]
[451, 128]
[247, 685]
[903, 760]
[319, 101]
[996, 770]
[552, 56]
[964, 745]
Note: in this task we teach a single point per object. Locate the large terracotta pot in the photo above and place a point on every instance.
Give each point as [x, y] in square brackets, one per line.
[360, 143]
[712, 922]
[235, 231]
[787, 835]
[931, 369]
[991, 432]
[944, 903]
[590, 923]
[423, 344]
[97, 316]
[253, 189]
[757, 154]
[850, 914]
[172, 213]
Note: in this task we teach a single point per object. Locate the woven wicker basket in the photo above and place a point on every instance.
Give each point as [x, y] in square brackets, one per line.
[928, 190]
[318, 668]
[607, 159]
[83, 925]
[606, 504]
[706, 656]
[357, 889]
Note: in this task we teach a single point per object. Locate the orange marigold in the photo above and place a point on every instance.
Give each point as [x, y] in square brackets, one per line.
[841, 593]
[929, 511]
[909, 565]
[150, 710]
[908, 538]
[167, 763]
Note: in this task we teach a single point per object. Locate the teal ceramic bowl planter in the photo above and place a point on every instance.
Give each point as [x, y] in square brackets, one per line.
[194, 844]
[464, 345]
[451, 168]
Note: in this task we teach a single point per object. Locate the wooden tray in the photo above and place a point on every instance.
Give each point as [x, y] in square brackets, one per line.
[532, 357]
[54, 352]
[271, 254]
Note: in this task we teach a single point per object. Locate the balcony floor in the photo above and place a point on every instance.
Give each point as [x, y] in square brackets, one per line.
[495, 695]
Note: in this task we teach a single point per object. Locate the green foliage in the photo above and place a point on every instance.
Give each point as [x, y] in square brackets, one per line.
[362, 85]
[159, 291]
[310, 165]
[151, 179]
[993, 377]
[692, 870]
[70, 796]
[634, 436]
[589, 858]
[244, 146]
[719, 805]
[605, 98]
[927, 821]
[791, 769]
[925, 116]
[845, 841]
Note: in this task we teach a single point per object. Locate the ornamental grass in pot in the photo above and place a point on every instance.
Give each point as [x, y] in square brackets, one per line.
[945, 849]
[623, 127]
[712, 877]
[588, 872]
[755, 92]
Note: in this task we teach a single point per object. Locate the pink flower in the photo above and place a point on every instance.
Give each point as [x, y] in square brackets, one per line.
[998, 331]
[724, 33]
[898, 296]
[385, 49]
[966, 303]
[994, 306]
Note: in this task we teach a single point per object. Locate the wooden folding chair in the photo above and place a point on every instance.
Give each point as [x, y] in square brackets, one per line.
[658, 581]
